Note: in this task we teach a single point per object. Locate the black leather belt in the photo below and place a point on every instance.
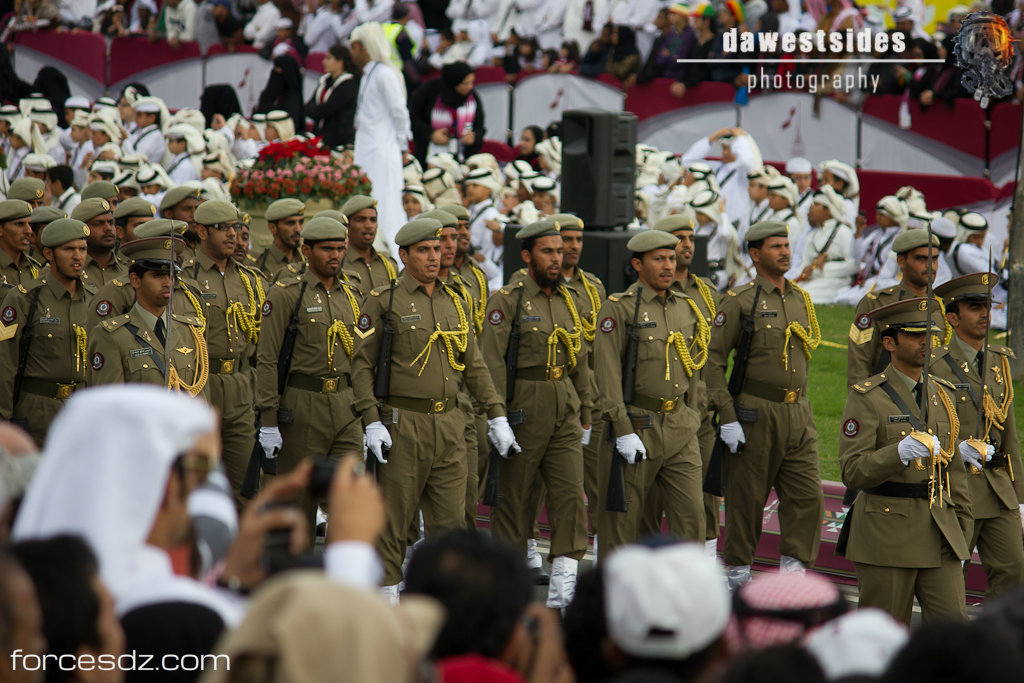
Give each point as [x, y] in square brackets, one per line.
[770, 392]
[655, 404]
[541, 373]
[321, 385]
[998, 460]
[48, 388]
[422, 405]
[896, 489]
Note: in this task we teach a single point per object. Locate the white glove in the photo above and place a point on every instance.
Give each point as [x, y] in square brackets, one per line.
[586, 436]
[971, 455]
[377, 439]
[631, 448]
[912, 449]
[271, 441]
[501, 435]
[732, 436]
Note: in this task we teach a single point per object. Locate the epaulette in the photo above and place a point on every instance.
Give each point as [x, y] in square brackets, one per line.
[730, 292]
[871, 296]
[111, 324]
[870, 383]
[939, 352]
[250, 257]
[1002, 350]
[91, 287]
[377, 291]
[351, 275]
[34, 284]
[507, 289]
[297, 268]
[944, 382]
[288, 281]
[117, 283]
[36, 262]
[593, 278]
[187, 319]
[522, 271]
[251, 270]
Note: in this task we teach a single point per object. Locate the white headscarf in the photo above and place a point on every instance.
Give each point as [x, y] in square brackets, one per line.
[106, 483]
[371, 36]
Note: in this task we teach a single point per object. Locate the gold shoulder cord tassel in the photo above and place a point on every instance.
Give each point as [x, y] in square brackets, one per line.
[938, 483]
[707, 296]
[810, 339]
[33, 271]
[247, 323]
[339, 330]
[590, 324]
[701, 341]
[197, 307]
[174, 381]
[388, 267]
[571, 340]
[480, 306]
[80, 344]
[461, 337]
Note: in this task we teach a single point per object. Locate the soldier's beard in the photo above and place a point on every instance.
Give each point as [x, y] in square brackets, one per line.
[544, 280]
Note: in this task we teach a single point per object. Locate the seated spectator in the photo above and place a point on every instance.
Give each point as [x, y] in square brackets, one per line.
[595, 60]
[447, 115]
[324, 27]
[110, 21]
[624, 59]
[674, 41]
[143, 17]
[549, 60]
[285, 42]
[859, 643]
[527, 147]
[280, 127]
[919, 77]
[42, 12]
[706, 26]
[178, 23]
[284, 90]
[521, 55]
[414, 201]
[333, 104]
[492, 631]
[229, 27]
[79, 620]
[568, 58]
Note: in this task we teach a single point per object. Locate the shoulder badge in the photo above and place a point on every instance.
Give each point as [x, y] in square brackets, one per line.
[113, 323]
[944, 382]
[187, 319]
[850, 428]
[614, 297]
[103, 308]
[8, 315]
[720, 318]
[117, 283]
[871, 296]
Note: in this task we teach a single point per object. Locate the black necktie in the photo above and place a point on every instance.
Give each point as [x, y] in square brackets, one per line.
[977, 364]
[159, 331]
[917, 393]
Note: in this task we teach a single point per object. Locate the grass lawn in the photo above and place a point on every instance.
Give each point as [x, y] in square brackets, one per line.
[827, 385]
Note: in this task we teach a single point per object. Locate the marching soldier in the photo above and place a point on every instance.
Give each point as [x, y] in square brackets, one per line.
[117, 297]
[284, 220]
[42, 338]
[985, 410]
[908, 528]
[770, 411]
[551, 394]
[148, 345]
[29, 190]
[702, 293]
[312, 412]
[130, 214]
[102, 264]
[180, 204]
[426, 327]
[865, 355]
[347, 275]
[654, 421]
[233, 296]
[16, 266]
[375, 269]
[40, 218]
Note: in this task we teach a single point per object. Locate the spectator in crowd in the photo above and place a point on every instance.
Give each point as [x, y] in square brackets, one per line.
[918, 77]
[447, 114]
[143, 17]
[111, 21]
[790, 663]
[333, 104]
[218, 103]
[624, 61]
[61, 185]
[176, 23]
[262, 28]
[706, 27]
[77, 13]
[79, 620]
[37, 11]
[229, 27]
[285, 42]
[595, 60]
[956, 652]
[19, 457]
[527, 147]
[674, 42]
[284, 90]
[568, 58]
[324, 27]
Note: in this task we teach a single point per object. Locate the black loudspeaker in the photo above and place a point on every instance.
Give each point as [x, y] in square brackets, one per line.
[604, 254]
[599, 166]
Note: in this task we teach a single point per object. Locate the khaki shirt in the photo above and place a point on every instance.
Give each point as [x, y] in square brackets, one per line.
[415, 317]
[539, 315]
[895, 531]
[271, 261]
[377, 273]
[773, 312]
[319, 309]
[13, 274]
[100, 276]
[117, 297]
[703, 294]
[219, 292]
[992, 489]
[124, 349]
[473, 278]
[660, 373]
[53, 353]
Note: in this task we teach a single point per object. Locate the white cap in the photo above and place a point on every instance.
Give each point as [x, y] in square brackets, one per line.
[972, 220]
[798, 165]
[860, 643]
[38, 162]
[706, 202]
[542, 184]
[943, 228]
[669, 602]
[902, 13]
[77, 102]
[831, 200]
[146, 105]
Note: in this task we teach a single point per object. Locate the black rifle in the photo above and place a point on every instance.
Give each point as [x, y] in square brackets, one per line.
[382, 380]
[492, 485]
[258, 458]
[23, 345]
[713, 478]
[615, 496]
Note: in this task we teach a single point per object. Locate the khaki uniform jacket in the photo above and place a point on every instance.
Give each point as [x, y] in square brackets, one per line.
[219, 292]
[865, 349]
[124, 349]
[773, 313]
[539, 315]
[899, 532]
[703, 294]
[13, 274]
[271, 261]
[473, 278]
[380, 271]
[99, 276]
[415, 317]
[117, 298]
[53, 354]
[318, 311]
[991, 491]
[660, 373]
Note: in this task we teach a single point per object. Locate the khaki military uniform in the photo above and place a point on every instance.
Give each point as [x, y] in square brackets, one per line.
[125, 349]
[56, 362]
[665, 411]
[271, 261]
[901, 544]
[315, 412]
[553, 387]
[117, 297]
[233, 304]
[99, 276]
[778, 423]
[13, 274]
[380, 270]
[703, 294]
[996, 490]
[427, 466]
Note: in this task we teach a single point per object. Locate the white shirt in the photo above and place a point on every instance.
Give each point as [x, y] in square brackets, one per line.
[480, 236]
[732, 177]
[148, 141]
[262, 28]
[15, 163]
[181, 169]
[180, 21]
[67, 201]
[323, 30]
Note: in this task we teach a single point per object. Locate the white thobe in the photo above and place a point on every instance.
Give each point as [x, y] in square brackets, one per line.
[148, 141]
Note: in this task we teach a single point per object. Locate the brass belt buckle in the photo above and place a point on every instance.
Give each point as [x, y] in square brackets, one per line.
[668, 405]
[65, 390]
[328, 385]
[555, 373]
[791, 397]
[438, 406]
[227, 366]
